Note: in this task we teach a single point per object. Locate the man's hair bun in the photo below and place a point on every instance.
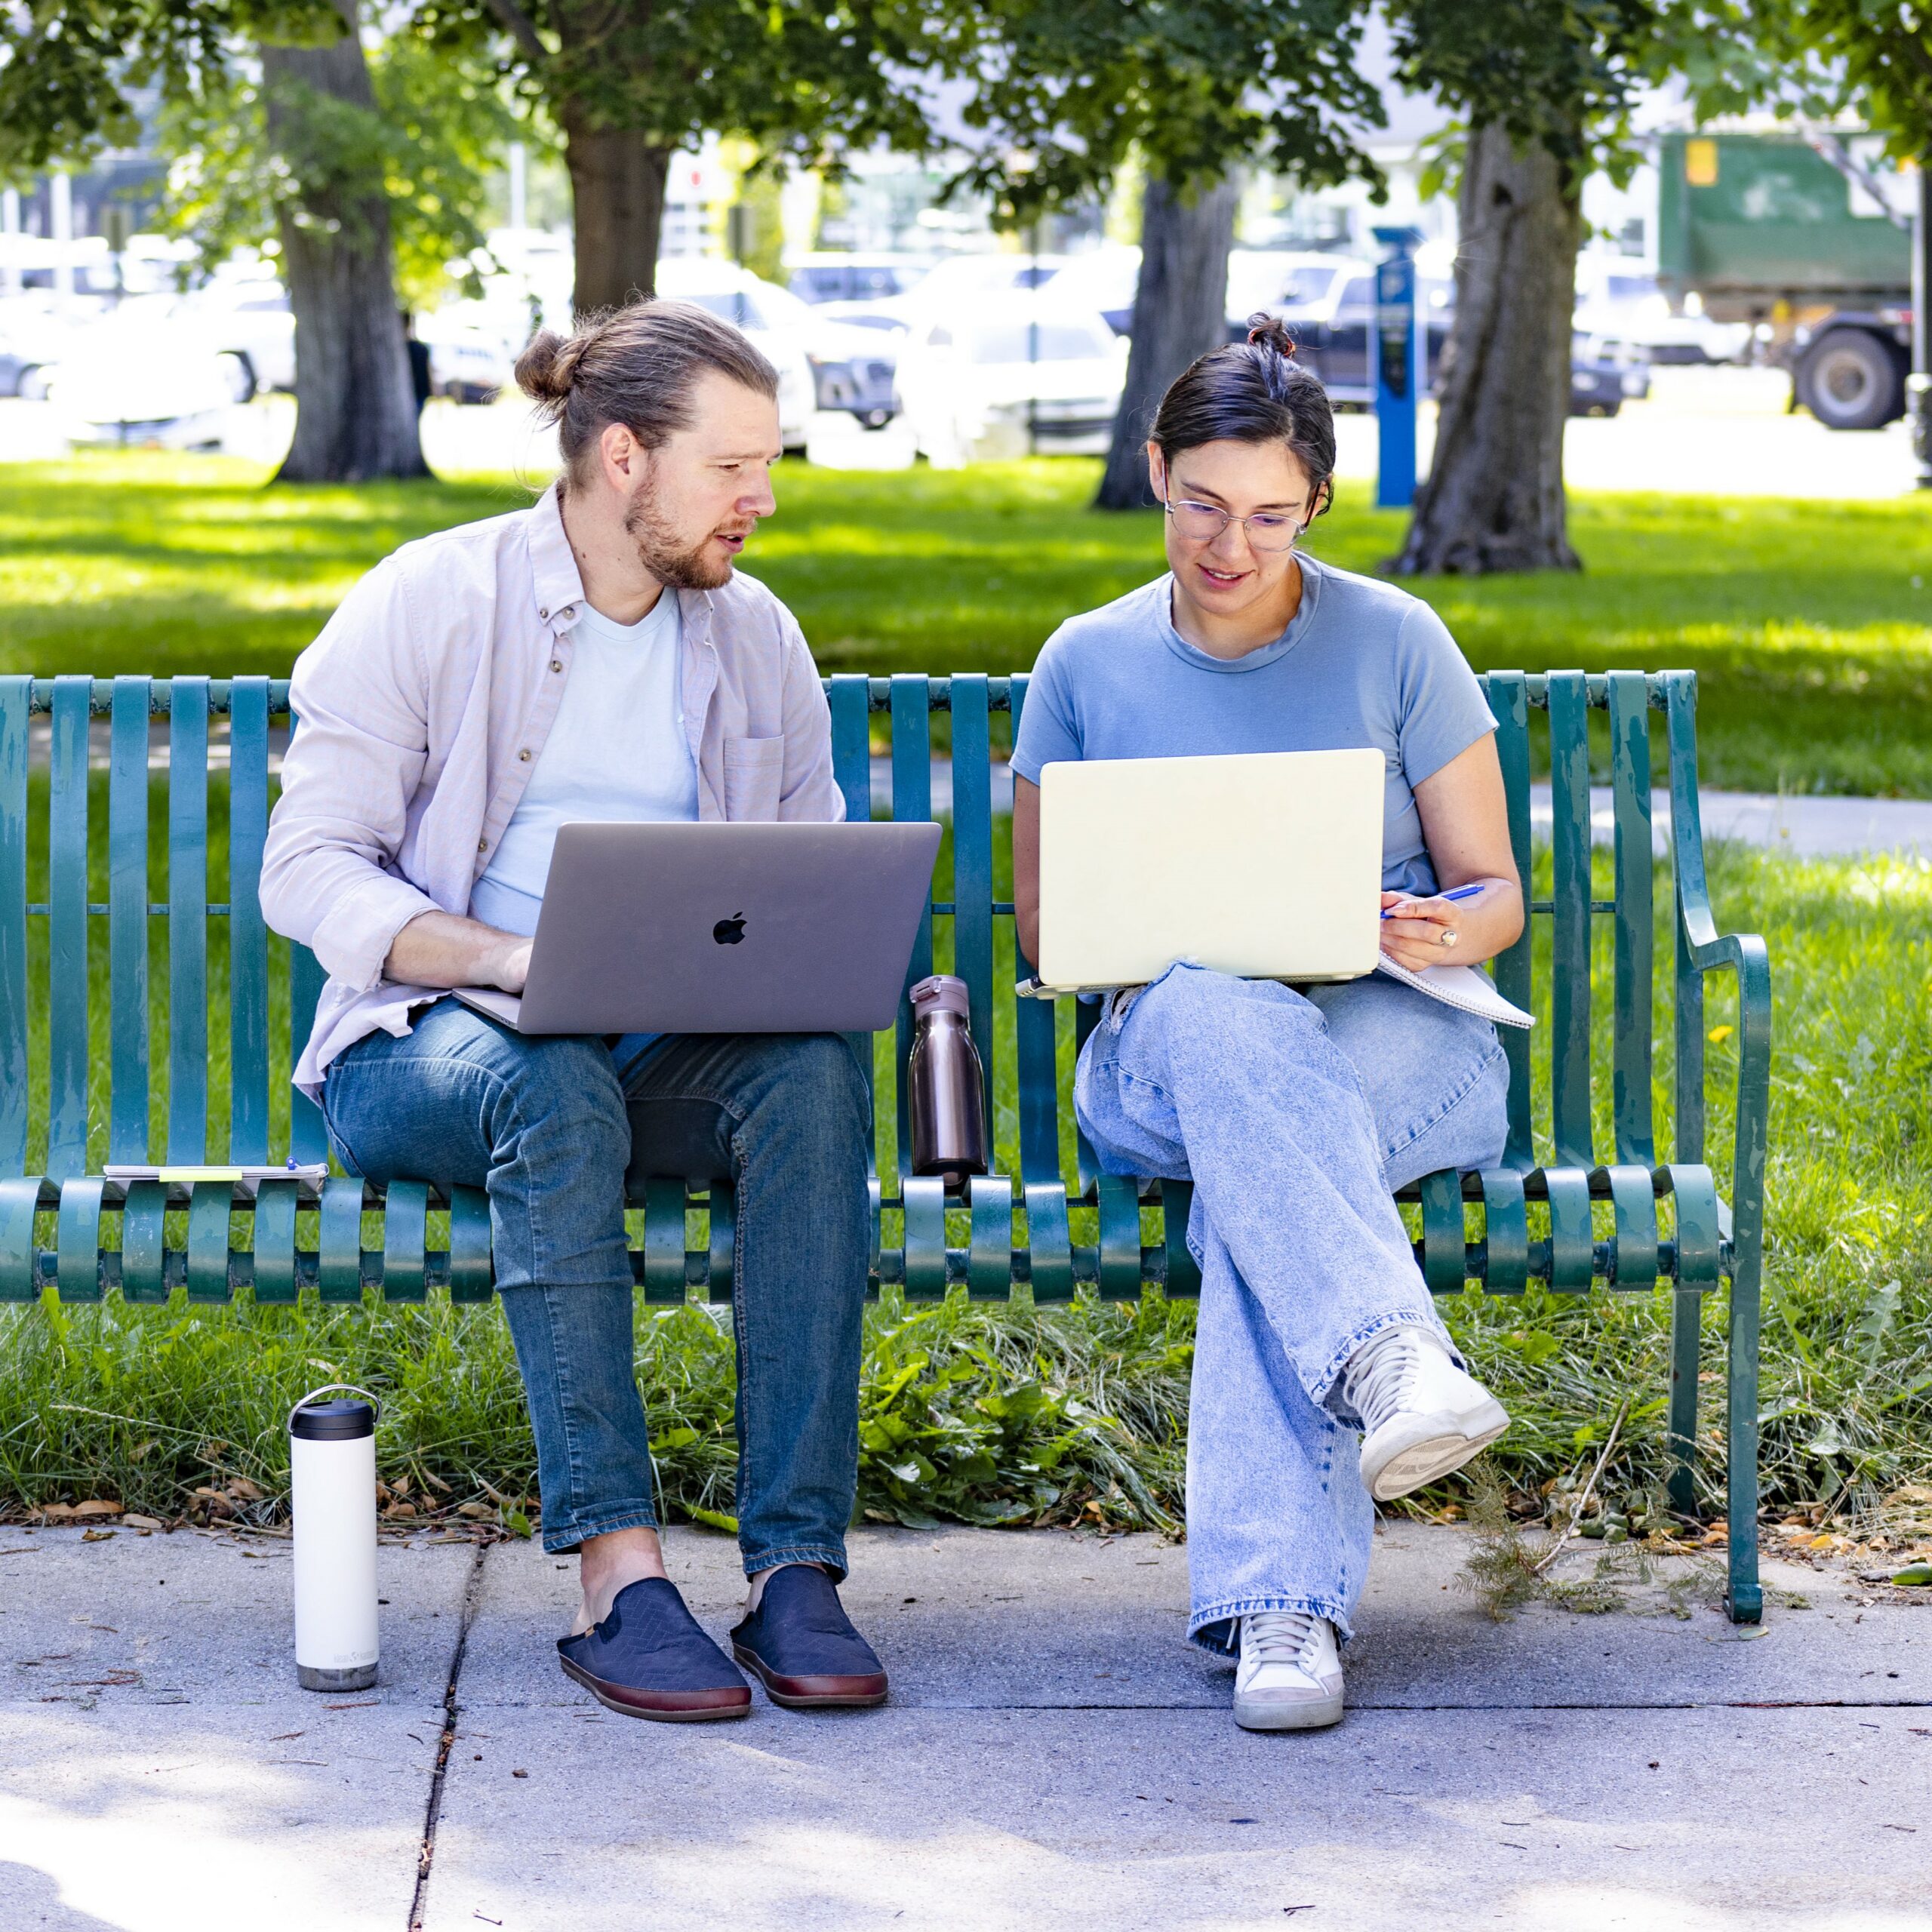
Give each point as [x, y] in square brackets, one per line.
[545, 370]
[1267, 331]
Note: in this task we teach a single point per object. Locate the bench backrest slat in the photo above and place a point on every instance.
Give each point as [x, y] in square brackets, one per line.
[1033, 1028]
[1509, 705]
[912, 799]
[67, 990]
[1688, 1112]
[972, 863]
[308, 1137]
[1570, 919]
[851, 699]
[248, 934]
[188, 922]
[16, 694]
[1632, 1028]
[127, 920]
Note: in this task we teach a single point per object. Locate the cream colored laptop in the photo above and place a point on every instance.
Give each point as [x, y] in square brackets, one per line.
[1267, 865]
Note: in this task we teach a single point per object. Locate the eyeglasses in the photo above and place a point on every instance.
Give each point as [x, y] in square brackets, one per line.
[1203, 523]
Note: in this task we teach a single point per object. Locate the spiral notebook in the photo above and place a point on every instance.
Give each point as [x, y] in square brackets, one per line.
[1461, 986]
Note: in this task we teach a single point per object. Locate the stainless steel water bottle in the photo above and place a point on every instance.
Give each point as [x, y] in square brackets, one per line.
[332, 1472]
[944, 1089]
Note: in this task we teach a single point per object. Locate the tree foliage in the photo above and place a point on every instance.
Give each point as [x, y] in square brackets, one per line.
[805, 79]
[1065, 91]
[433, 139]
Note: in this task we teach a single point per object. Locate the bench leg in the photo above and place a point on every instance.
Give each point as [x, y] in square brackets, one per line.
[1745, 1598]
[1686, 1310]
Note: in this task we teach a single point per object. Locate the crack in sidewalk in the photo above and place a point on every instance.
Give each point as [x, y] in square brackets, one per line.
[425, 1857]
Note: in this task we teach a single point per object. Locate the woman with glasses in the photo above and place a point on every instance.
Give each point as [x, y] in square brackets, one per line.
[1323, 1379]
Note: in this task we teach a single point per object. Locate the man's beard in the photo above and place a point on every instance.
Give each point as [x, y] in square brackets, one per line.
[683, 567]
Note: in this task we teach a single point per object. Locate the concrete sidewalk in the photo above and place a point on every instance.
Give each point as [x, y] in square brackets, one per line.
[1054, 1756]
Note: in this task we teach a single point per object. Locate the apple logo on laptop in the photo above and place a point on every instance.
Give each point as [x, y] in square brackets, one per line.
[729, 932]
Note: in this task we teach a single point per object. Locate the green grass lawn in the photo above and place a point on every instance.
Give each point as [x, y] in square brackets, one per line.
[1810, 623]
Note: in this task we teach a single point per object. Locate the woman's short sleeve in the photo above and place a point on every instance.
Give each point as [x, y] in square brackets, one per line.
[1049, 733]
[1442, 711]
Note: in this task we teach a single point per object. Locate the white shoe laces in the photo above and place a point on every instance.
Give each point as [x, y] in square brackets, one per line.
[1382, 1376]
[1280, 1637]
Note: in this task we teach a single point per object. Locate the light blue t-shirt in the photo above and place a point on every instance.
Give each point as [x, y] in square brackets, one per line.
[617, 753]
[1361, 663]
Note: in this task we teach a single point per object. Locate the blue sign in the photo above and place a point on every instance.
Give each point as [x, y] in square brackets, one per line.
[1401, 360]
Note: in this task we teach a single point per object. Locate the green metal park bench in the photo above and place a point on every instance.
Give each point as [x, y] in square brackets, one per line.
[1575, 1204]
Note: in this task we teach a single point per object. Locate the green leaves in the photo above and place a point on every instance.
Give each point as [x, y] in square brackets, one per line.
[1064, 89]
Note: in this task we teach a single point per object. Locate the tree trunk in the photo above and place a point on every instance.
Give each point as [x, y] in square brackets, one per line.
[1493, 500]
[355, 405]
[1180, 306]
[617, 178]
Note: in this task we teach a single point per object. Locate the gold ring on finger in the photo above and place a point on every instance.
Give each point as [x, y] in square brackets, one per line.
[1450, 936]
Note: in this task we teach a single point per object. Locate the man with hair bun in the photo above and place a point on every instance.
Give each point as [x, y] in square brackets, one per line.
[597, 656]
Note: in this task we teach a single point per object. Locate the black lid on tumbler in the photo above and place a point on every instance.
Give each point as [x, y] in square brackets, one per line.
[339, 1421]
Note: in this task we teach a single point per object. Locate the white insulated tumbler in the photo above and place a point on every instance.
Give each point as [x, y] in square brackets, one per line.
[332, 1469]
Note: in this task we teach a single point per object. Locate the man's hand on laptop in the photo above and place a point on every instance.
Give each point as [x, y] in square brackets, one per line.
[440, 950]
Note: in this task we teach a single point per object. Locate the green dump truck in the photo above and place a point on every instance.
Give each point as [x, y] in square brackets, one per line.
[1807, 235]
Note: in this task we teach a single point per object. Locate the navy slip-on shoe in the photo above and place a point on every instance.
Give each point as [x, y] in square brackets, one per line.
[648, 1659]
[801, 1646]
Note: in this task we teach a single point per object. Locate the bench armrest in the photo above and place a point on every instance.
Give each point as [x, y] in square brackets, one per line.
[1701, 950]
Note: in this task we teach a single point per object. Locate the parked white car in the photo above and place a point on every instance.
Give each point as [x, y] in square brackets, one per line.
[1620, 301]
[141, 377]
[248, 318]
[1011, 376]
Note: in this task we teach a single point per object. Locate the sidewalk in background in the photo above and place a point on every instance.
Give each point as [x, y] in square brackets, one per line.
[1806, 827]
[1054, 1756]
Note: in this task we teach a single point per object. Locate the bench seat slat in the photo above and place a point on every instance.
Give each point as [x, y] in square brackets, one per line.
[1505, 1232]
[470, 1275]
[405, 1242]
[1445, 1265]
[989, 1259]
[77, 1254]
[1572, 1245]
[663, 1240]
[19, 1203]
[1117, 1271]
[210, 1203]
[144, 1242]
[923, 1209]
[276, 1205]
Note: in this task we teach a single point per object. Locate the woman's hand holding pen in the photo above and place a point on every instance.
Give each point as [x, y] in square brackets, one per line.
[1462, 926]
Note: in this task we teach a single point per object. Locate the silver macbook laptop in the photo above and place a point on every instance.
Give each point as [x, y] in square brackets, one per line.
[1264, 864]
[723, 929]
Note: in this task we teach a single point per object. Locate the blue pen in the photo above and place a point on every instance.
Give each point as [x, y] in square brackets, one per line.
[1461, 892]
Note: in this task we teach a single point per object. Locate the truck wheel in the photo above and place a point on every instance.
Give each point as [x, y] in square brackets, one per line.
[1849, 381]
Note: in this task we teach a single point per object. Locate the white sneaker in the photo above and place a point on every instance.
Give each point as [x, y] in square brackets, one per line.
[1291, 1674]
[1421, 1416]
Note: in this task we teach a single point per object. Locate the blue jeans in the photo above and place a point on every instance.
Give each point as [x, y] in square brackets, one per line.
[1294, 1116]
[546, 1126]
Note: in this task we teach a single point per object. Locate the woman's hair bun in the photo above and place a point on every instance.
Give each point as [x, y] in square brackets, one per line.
[546, 368]
[1267, 331]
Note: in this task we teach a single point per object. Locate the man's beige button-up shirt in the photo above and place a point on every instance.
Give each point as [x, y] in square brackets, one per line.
[422, 708]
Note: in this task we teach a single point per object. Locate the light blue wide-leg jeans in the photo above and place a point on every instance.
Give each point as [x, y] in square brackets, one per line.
[1294, 1116]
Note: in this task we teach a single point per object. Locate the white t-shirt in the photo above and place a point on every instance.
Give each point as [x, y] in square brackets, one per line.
[617, 752]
